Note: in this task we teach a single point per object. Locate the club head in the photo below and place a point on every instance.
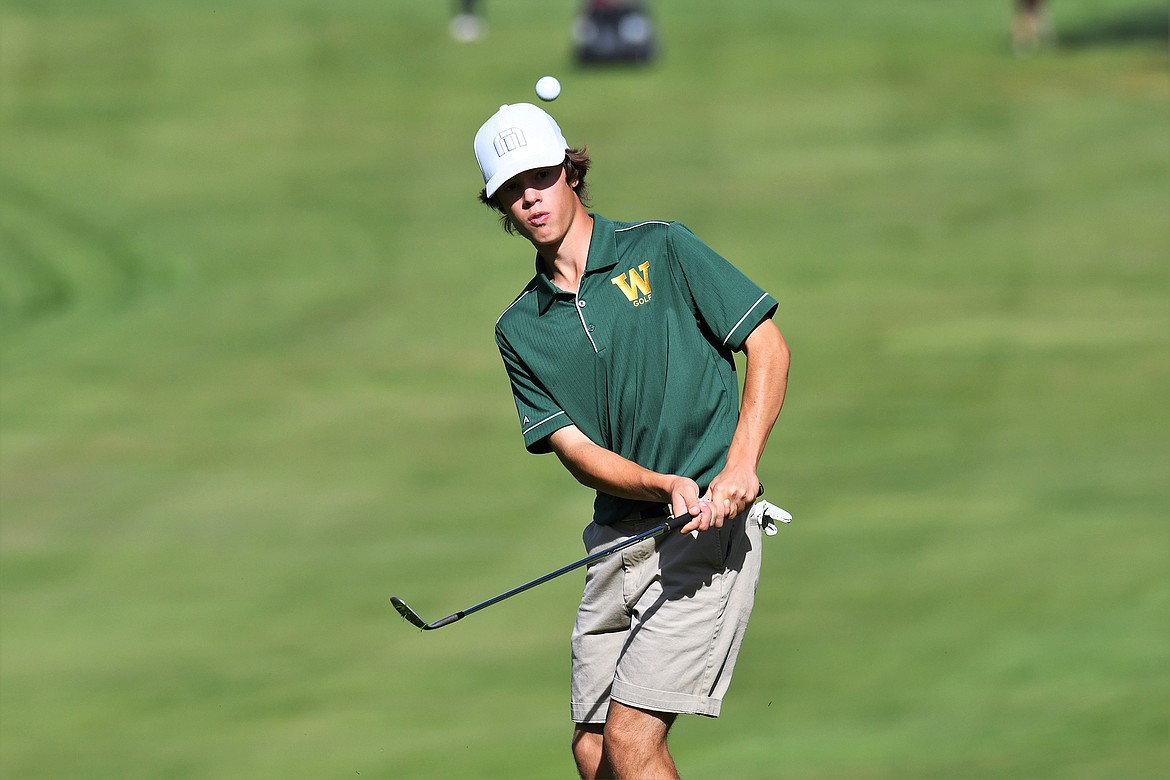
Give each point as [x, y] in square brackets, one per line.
[406, 612]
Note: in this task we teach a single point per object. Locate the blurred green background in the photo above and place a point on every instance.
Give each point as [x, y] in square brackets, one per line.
[248, 387]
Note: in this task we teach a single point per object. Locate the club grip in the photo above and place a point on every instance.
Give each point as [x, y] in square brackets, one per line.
[673, 524]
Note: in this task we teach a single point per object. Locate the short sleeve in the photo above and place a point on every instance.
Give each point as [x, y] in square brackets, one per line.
[730, 304]
[540, 416]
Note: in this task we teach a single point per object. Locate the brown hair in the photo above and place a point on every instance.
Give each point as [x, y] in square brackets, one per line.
[576, 165]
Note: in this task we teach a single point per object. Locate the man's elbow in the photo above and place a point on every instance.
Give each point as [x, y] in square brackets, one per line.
[768, 342]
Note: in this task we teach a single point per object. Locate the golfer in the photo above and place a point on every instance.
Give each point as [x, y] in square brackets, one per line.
[620, 355]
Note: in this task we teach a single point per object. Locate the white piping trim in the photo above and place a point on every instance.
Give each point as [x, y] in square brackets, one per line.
[640, 224]
[542, 422]
[744, 317]
[523, 295]
[580, 316]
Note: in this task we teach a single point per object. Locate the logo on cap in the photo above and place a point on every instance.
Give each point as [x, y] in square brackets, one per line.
[509, 141]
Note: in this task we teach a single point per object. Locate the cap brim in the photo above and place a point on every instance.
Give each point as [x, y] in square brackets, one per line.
[518, 164]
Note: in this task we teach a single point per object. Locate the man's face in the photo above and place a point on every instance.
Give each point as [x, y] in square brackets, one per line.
[541, 204]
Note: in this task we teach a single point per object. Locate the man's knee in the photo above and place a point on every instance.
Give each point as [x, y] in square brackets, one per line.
[587, 739]
[635, 743]
[633, 731]
[589, 751]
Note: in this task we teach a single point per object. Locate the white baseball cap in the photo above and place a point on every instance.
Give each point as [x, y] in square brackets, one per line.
[518, 138]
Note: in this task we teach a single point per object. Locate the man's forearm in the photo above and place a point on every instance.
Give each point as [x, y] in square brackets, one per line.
[765, 385]
[594, 466]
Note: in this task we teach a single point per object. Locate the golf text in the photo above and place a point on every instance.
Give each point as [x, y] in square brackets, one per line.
[635, 283]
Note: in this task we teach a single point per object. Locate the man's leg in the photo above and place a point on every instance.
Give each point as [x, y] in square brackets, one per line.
[598, 637]
[635, 743]
[589, 752]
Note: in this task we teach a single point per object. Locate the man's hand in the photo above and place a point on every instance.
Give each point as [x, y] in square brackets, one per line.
[733, 490]
[731, 493]
[685, 499]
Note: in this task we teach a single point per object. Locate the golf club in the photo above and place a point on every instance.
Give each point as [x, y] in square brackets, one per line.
[666, 526]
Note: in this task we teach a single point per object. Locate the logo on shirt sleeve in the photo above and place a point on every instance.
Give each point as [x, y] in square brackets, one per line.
[635, 284]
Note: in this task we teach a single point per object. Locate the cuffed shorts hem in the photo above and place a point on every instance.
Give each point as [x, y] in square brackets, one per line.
[646, 699]
[589, 713]
[665, 701]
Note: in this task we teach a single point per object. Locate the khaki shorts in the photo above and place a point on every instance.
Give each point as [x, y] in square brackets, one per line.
[661, 622]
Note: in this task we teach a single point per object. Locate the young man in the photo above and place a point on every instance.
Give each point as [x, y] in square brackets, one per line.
[619, 351]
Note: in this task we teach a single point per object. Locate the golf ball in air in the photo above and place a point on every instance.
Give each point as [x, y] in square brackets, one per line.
[548, 88]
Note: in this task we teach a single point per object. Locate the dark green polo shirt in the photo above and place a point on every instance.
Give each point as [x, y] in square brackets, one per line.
[640, 358]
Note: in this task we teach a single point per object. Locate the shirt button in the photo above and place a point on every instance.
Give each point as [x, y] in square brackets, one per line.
[581, 304]
[590, 328]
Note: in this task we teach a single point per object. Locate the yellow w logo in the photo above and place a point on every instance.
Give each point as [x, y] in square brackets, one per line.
[634, 282]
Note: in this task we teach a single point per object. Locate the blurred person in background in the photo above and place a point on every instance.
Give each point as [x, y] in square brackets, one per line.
[467, 26]
[1031, 27]
[620, 356]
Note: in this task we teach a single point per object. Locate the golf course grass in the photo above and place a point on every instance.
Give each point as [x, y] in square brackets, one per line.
[249, 389]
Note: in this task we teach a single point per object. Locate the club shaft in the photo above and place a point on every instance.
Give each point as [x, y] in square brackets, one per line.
[670, 524]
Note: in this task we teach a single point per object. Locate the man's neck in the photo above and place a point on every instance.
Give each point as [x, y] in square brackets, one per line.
[564, 264]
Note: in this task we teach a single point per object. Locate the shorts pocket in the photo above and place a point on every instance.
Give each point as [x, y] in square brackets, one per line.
[590, 535]
[714, 542]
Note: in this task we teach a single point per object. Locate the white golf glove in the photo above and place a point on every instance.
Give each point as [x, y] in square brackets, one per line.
[766, 515]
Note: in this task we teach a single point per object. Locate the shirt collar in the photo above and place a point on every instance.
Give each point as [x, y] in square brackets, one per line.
[602, 257]
[602, 246]
[546, 291]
